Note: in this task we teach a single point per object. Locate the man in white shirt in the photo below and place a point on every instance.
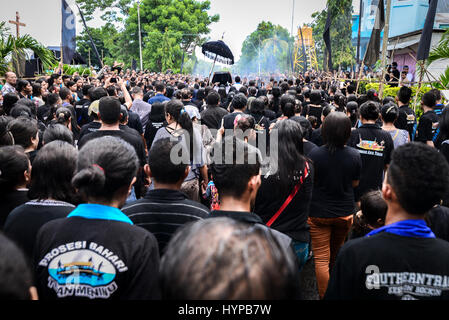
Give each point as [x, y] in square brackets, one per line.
[409, 75]
[10, 85]
[238, 83]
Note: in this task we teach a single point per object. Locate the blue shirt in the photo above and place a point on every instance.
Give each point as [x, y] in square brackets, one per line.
[158, 98]
[99, 212]
[406, 228]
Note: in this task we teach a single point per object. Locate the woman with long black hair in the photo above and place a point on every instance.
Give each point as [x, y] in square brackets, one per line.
[51, 191]
[284, 196]
[180, 126]
[337, 173]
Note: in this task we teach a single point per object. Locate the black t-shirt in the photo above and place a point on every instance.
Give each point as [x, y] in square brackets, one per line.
[387, 266]
[151, 130]
[9, 201]
[228, 120]
[107, 259]
[212, 116]
[438, 220]
[375, 147]
[81, 109]
[333, 194]
[89, 127]
[293, 220]
[406, 119]
[308, 147]
[427, 127]
[134, 122]
[136, 142]
[315, 111]
[24, 222]
[317, 138]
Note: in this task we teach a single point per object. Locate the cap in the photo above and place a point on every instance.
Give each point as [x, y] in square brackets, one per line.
[94, 107]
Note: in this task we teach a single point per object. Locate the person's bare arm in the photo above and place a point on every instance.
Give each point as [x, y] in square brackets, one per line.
[128, 99]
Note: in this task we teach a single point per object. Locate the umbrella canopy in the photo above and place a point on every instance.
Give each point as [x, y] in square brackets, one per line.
[219, 51]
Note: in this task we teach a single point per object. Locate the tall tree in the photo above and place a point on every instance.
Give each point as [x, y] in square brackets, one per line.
[343, 52]
[268, 46]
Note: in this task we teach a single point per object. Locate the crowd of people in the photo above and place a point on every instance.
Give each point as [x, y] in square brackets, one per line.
[133, 185]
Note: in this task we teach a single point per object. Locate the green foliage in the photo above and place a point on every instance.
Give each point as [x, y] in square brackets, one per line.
[13, 49]
[171, 29]
[343, 52]
[273, 43]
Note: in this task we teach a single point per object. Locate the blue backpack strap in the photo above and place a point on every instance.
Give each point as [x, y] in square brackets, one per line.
[436, 135]
[415, 127]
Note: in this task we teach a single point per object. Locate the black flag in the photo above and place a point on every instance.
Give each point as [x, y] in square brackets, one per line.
[373, 48]
[68, 33]
[327, 38]
[426, 36]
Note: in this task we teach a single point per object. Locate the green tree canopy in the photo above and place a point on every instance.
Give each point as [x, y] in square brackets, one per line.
[170, 29]
[273, 43]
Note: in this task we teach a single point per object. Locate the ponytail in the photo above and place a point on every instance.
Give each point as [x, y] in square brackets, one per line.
[175, 108]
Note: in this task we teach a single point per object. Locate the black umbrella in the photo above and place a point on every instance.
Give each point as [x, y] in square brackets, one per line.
[218, 51]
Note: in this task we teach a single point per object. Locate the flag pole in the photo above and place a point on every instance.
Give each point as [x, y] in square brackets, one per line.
[384, 47]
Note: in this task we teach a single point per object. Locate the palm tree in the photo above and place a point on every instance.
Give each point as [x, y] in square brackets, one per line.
[13, 49]
[438, 53]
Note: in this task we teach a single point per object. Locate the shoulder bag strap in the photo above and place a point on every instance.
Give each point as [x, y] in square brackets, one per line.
[290, 197]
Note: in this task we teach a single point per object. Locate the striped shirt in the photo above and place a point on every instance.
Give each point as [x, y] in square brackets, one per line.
[163, 211]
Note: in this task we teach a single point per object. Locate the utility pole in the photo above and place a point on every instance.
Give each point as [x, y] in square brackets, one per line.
[384, 47]
[359, 33]
[140, 35]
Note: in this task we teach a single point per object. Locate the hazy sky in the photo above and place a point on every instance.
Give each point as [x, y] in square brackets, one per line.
[238, 18]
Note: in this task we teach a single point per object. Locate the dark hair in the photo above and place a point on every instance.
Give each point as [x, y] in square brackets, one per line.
[239, 101]
[86, 89]
[419, 175]
[6, 137]
[315, 97]
[341, 101]
[390, 112]
[157, 113]
[111, 90]
[9, 101]
[353, 109]
[313, 122]
[37, 90]
[372, 95]
[436, 93]
[257, 106]
[232, 178]
[64, 93]
[429, 99]
[289, 159]
[63, 115]
[405, 94]
[57, 131]
[23, 129]
[443, 125]
[21, 84]
[288, 105]
[159, 86]
[231, 260]
[29, 104]
[53, 170]
[52, 99]
[162, 167]
[213, 98]
[98, 93]
[369, 110]
[105, 165]
[109, 110]
[336, 131]
[16, 277]
[175, 108]
[13, 163]
[373, 207]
